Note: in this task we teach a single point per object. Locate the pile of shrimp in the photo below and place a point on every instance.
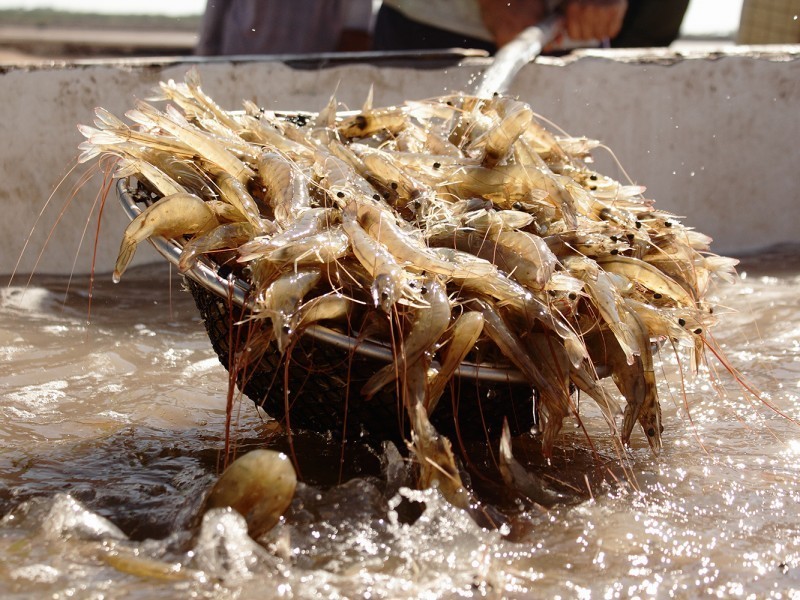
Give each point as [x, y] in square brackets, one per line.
[451, 228]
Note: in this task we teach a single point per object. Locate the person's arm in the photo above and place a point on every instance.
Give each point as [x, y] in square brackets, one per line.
[594, 19]
[505, 19]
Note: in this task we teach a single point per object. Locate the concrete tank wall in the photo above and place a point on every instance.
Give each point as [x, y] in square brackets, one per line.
[712, 136]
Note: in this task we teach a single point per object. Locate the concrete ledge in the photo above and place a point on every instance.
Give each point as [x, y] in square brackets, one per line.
[712, 136]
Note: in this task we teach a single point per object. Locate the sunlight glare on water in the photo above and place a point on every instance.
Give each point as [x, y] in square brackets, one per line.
[113, 428]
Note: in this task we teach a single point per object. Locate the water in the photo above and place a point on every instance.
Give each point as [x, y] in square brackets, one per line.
[112, 430]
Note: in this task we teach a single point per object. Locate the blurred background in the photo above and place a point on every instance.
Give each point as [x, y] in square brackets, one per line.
[33, 30]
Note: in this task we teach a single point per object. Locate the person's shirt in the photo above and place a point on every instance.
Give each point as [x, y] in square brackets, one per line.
[458, 16]
[246, 27]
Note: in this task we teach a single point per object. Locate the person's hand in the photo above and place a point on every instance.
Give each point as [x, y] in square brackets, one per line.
[594, 19]
[505, 19]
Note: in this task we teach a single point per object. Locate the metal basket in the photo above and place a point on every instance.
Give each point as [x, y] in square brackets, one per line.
[317, 386]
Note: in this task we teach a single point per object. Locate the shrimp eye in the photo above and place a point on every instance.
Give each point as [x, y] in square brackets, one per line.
[423, 289]
[386, 196]
[384, 295]
[681, 322]
[340, 194]
[614, 238]
[376, 197]
[638, 224]
[667, 224]
[651, 432]
[517, 206]
[630, 236]
[393, 185]
[614, 252]
[361, 122]
[436, 165]
[286, 329]
[572, 296]
[593, 177]
[593, 187]
[657, 296]
[698, 331]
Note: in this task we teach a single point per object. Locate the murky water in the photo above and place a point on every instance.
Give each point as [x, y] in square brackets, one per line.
[112, 430]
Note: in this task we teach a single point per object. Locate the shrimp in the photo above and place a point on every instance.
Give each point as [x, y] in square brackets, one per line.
[200, 142]
[607, 300]
[428, 324]
[235, 193]
[192, 80]
[554, 397]
[520, 479]
[308, 224]
[330, 307]
[433, 452]
[340, 179]
[382, 226]
[286, 188]
[259, 485]
[521, 301]
[390, 281]
[496, 143]
[556, 366]
[466, 331]
[166, 185]
[282, 299]
[526, 256]
[227, 236]
[648, 276]
[172, 216]
[323, 247]
[365, 123]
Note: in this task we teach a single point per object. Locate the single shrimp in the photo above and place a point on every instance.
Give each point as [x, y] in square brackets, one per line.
[172, 216]
[227, 236]
[308, 224]
[648, 276]
[607, 300]
[496, 143]
[258, 485]
[428, 324]
[286, 188]
[321, 248]
[192, 80]
[390, 280]
[520, 479]
[282, 299]
[339, 179]
[466, 331]
[235, 193]
[432, 451]
[330, 307]
[366, 123]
